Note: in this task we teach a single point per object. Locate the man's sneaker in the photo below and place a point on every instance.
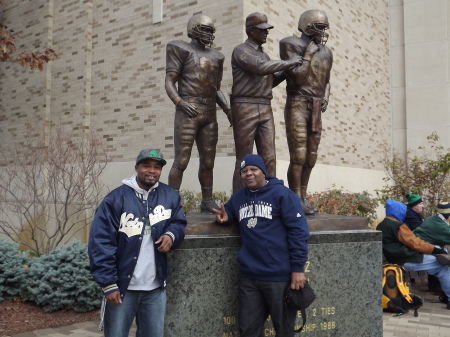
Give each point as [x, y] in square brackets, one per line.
[206, 206]
[443, 259]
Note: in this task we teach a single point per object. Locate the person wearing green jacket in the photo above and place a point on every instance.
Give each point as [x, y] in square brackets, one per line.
[401, 246]
[435, 229]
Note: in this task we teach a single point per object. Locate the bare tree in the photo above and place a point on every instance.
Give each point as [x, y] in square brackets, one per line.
[49, 192]
[426, 173]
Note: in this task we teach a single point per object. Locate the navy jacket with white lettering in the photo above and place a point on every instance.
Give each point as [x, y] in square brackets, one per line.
[117, 231]
[274, 232]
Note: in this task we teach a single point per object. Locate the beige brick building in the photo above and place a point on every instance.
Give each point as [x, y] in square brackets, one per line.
[109, 78]
[419, 68]
[389, 80]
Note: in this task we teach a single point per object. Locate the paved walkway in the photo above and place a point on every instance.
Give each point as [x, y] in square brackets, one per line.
[433, 321]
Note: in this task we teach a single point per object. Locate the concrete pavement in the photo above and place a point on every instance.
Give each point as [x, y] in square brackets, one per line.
[433, 321]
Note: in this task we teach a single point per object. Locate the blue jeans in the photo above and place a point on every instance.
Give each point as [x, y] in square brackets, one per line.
[432, 267]
[149, 309]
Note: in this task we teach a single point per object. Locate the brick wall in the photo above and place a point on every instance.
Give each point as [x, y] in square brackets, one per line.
[109, 76]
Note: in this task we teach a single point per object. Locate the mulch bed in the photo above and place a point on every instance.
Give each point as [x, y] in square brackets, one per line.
[17, 316]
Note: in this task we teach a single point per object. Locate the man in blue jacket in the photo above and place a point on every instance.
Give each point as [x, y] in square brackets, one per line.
[133, 229]
[274, 235]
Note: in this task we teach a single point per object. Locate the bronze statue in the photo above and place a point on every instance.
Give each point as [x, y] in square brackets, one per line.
[197, 69]
[308, 90]
[254, 76]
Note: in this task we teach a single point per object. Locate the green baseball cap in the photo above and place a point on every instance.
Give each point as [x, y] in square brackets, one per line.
[150, 154]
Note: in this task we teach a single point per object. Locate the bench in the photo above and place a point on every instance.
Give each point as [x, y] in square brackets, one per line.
[411, 275]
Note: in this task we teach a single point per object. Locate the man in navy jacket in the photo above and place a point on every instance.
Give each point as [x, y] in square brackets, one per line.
[414, 217]
[274, 235]
[133, 229]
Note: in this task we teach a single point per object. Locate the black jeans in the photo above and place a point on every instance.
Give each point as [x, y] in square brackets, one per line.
[258, 300]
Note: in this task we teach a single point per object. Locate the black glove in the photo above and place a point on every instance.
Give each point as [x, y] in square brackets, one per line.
[438, 251]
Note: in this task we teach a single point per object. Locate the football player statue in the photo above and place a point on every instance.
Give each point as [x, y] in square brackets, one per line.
[197, 70]
[308, 90]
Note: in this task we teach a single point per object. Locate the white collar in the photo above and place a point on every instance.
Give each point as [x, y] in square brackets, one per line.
[440, 216]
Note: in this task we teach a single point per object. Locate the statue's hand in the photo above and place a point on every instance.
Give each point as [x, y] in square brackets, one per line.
[187, 108]
[312, 48]
[296, 61]
[228, 113]
[324, 104]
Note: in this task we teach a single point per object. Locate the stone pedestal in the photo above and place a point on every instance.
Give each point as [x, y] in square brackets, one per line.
[344, 269]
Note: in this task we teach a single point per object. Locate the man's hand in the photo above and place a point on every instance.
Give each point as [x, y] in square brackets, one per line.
[221, 216]
[298, 280]
[165, 242]
[114, 298]
[187, 108]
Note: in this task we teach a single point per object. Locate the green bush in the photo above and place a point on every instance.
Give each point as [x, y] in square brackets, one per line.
[13, 268]
[191, 200]
[426, 173]
[62, 280]
[336, 201]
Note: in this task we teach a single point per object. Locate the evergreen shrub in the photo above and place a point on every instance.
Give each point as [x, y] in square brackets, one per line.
[13, 268]
[62, 280]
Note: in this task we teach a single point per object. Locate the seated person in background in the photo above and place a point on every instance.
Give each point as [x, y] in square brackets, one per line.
[401, 246]
[414, 217]
[435, 229]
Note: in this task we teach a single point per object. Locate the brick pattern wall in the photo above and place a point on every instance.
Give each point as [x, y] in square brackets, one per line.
[109, 77]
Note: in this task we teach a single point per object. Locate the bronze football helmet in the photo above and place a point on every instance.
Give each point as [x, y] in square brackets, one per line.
[201, 27]
[314, 23]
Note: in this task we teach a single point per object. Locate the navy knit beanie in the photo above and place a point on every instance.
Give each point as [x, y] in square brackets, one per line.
[254, 160]
[444, 207]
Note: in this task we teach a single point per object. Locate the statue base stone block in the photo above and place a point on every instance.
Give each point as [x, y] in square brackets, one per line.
[344, 269]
